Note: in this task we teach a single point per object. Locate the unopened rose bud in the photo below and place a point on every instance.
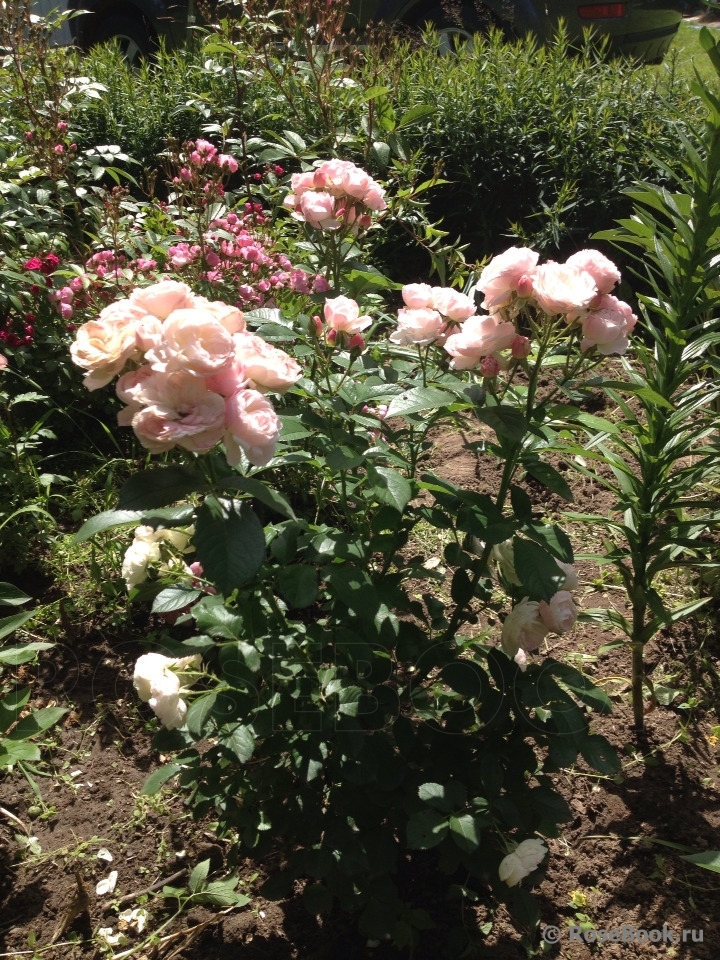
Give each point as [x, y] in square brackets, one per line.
[315, 327]
[525, 286]
[62, 126]
[356, 342]
[332, 337]
[489, 367]
[521, 347]
[59, 148]
[29, 134]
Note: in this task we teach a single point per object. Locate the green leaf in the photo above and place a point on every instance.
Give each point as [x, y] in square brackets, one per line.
[10, 596]
[465, 833]
[708, 859]
[583, 688]
[443, 796]
[105, 521]
[390, 487]
[599, 753]
[536, 569]
[11, 707]
[160, 487]
[427, 829]
[199, 713]
[507, 422]
[9, 625]
[159, 777]
[298, 585]
[12, 656]
[240, 740]
[222, 893]
[549, 477]
[174, 598]
[262, 492]
[230, 543]
[198, 877]
[36, 722]
[11, 752]
[418, 399]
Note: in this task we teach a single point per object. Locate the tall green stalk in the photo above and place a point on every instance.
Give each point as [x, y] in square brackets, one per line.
[666, 451]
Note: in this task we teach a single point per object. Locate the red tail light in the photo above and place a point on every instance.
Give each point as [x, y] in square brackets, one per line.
[603, 11]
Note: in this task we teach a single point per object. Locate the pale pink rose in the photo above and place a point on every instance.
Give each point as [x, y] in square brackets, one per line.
[523, 629]
[162, 298]
[157, 683]
[479, 337]
[419, 327]
[452, 304]
[229, 380]
[149, 333]
[559, 288]
[330, 176]
[500, 278]
[417, 296]
[560, 614]
[3, 361]
[104, 346]
[318, 209]
[230, 317]
[193, 341]
[603, 271]
[526, 857]
[253, 428]
[521, 347]
[608, 327]
[302, 182]
[267, 368]
[131, 387]
[343, 315]
[184, 413]
[374, 198]
[356, 182]
[571, 577]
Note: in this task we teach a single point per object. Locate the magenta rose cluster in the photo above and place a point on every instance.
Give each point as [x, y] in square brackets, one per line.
[579, 290]
[190, 373]
[335, 194]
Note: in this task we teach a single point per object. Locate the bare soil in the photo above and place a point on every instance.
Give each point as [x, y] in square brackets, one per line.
[604, 866]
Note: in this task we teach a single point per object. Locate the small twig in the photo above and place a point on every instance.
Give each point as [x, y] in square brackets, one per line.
[11, 816]
[153, 886]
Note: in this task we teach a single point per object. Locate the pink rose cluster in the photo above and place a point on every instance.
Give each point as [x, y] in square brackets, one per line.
[202, 167]
[529, 621]
[190, 373]
[578, 290]
[335, 195]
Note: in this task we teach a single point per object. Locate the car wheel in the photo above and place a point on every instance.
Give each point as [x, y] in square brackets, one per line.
[456, 23]
[131, 35]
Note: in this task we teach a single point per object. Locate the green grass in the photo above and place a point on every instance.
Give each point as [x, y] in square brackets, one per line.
[687, 56]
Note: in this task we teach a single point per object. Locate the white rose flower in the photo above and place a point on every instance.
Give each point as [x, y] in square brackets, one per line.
[522, 861]
[523, 628]
[138, 557]
[158, 684]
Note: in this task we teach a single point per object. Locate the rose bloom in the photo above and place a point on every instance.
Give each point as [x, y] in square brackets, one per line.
[452, 304]
[194, 342]
[420, 327]
[157, 684]
[3, 361]
[138, 556]
[162, 298]
[523, 628]
[343, 315]
[559, 288]
[266, 368]
[607, 328]
[318, 209]
[603, 271]
[104, 346]
[571, 577]
[253, 428]
[560, 614]
[479, 337]
[417, 295]
[525, 858]
[182, 413]
[230, 317]
[500, 278]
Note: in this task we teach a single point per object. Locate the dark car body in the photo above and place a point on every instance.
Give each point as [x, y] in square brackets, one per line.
[642, 29]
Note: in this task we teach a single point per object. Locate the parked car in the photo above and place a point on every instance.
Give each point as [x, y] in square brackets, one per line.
[643, 29]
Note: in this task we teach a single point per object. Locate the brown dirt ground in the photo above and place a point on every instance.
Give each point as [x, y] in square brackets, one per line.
[103, 754]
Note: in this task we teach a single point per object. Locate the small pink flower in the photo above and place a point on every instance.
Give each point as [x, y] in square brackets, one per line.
[521, 347]
[417, 296]
[58, 148]
[420, 326]
[489, 367]
[603, 271]
[499, 280]
[62, 126]
[342, 315]
[253, 428]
